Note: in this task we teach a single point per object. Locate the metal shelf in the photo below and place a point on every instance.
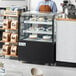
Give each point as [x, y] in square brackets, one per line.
[8, 29]
[37, 32]
[37, 14]
[11, 55]
[8, 42]
[38, 39]
[38, 22]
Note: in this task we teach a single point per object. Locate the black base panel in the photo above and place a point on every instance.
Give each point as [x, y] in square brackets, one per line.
[37, 52]
[65, 64]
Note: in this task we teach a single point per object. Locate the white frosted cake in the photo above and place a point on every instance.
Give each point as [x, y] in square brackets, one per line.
[33, 36]
[46, 37]
[32, 19]
[41, 19]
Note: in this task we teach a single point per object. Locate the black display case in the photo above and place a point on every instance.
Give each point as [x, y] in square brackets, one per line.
[37, 38]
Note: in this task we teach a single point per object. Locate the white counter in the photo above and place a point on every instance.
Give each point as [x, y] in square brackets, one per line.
[66, 40]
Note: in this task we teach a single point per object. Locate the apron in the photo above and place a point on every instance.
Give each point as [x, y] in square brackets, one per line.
[45, 8]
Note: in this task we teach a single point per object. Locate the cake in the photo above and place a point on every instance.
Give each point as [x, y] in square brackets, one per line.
[41, 19]
[32, 19]
[33, 36]
[46, 37]
[41, 28]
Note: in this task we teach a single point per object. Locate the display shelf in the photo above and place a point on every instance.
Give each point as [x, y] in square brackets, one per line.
[11, 13]
[10, 55]
[6, 25]
[10, 25]
[7, 29]
[37, 32]
[8, 42]
[10, 16]
[36, 13]
[38, 22]
[38, 40]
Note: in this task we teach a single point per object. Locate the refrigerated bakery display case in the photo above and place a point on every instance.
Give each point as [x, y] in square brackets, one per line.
[36, 38]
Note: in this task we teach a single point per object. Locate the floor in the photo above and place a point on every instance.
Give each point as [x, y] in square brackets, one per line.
[17, 68]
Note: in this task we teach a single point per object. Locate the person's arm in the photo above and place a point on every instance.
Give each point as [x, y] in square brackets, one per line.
[54, 8]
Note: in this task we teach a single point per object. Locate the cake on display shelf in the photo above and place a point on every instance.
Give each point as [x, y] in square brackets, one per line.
[33, 36]
[46, 37]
